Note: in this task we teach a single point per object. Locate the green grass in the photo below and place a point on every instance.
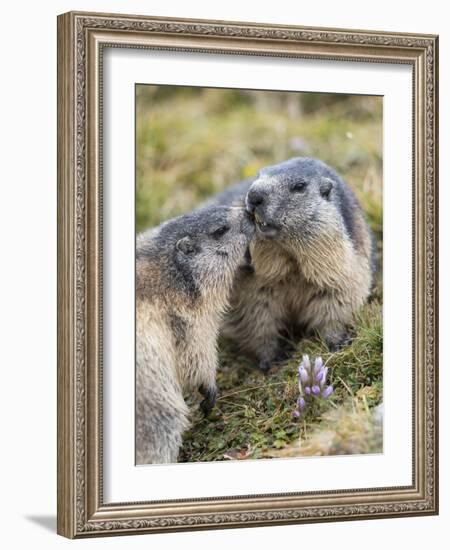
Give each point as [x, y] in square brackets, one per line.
[192, 143]
[253, 416]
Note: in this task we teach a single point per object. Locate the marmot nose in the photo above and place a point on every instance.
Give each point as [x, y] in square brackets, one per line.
[254, 199]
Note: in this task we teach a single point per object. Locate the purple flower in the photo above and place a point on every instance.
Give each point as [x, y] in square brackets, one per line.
[324, 377]
[312, 383]
[318, 365]
[306, 362]
[303, 374]
[301, 403]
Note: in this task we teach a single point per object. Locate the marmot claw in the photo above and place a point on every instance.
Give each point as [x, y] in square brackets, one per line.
[210, 395]
[336, 345]
[264, 365]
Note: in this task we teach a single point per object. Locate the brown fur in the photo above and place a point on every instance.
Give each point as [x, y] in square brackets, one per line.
[182, 290]
[310, 272]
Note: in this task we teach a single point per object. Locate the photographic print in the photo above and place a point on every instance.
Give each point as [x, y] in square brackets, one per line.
[259, 261]
[247, 282]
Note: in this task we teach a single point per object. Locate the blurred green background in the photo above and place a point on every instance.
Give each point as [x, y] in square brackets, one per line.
[194, 142]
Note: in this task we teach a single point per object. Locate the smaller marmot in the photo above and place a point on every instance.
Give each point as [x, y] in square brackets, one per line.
[184, 274]
[313, 258]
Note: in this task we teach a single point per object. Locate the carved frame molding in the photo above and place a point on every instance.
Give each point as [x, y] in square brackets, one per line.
[81, 39]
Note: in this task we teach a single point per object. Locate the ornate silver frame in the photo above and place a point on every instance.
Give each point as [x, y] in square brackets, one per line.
[81, 39]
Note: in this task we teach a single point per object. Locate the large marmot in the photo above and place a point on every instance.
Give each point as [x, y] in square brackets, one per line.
[184, 274]
[313, 258]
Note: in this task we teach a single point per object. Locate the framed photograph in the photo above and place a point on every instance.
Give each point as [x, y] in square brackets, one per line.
[247, 274]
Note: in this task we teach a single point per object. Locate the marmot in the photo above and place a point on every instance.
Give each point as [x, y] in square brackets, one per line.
[313, 257]
[184, 274]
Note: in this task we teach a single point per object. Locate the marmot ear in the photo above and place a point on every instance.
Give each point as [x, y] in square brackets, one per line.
[185, 245]
[326, 185]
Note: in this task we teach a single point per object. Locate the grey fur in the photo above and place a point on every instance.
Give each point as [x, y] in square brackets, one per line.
[184, 274]
[313, 257]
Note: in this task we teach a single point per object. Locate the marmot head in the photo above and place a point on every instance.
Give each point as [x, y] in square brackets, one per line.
[294, 200]
[199, 253]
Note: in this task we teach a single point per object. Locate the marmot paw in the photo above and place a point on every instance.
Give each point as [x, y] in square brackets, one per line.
[264, 365]
[336, 344]
[210, 395]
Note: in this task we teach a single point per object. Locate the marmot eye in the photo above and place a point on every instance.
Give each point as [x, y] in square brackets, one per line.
[297, 186]
[220, 231]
